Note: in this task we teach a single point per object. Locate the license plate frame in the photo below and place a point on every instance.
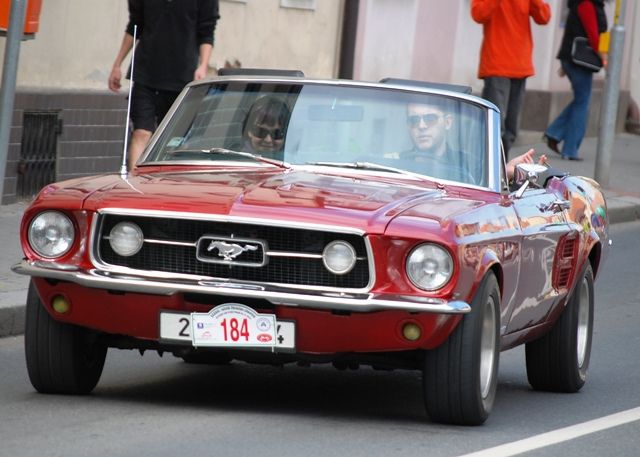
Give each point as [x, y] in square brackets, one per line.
[176, 328]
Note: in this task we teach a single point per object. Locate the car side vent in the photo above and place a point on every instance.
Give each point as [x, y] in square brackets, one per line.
[565, 262]
[563, 277]
[567, 248]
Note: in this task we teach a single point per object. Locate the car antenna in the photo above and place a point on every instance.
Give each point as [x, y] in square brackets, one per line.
[123, 166]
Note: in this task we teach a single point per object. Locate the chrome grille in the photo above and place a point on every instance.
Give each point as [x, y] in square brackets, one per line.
[295, 260]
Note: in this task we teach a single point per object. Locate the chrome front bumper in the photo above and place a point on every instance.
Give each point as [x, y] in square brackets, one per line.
[356, 302]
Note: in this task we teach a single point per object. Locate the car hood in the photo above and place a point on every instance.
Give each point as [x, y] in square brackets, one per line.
[362, 201]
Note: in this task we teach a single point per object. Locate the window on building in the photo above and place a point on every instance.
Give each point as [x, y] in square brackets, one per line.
[300, 4]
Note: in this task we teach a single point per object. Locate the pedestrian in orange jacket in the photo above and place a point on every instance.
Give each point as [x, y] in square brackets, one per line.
[505, 55]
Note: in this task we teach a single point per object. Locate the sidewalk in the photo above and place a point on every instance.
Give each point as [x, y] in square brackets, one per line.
[13, 287]
[623, 192]
[623, 202]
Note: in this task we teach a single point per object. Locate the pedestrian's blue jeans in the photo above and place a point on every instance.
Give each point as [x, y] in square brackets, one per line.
[571, 124]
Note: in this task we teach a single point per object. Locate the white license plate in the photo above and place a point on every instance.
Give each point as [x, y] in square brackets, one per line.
[228, 325]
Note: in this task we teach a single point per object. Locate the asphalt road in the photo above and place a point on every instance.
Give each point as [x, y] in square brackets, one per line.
[162, 407]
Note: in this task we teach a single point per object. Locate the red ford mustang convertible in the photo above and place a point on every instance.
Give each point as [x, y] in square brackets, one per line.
[278, 219]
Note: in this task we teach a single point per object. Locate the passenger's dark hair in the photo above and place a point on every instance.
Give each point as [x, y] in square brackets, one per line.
[268, 110]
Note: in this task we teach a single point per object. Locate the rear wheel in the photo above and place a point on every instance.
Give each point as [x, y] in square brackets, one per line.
[461, 376]
[61, 358]
[558, 361]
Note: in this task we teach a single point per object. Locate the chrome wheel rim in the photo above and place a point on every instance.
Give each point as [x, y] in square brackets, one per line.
[487, 347]
[583, 322]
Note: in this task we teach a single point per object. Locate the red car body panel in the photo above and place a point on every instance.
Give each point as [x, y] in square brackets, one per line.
[318, 331]
[482, 230]
[275, 219]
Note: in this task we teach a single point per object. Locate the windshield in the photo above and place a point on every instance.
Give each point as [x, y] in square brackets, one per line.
[315, 124]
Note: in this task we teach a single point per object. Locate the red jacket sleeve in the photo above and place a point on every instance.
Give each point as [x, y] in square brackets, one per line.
[587, 14]
[482, 10]
[540, 11]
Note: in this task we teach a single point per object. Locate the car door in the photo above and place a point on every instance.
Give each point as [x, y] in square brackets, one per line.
[542, 223]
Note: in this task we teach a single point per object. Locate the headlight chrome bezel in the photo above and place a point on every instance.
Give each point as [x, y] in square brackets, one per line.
[114, 237]
[326, 257]
[63, 229]
[443, 264]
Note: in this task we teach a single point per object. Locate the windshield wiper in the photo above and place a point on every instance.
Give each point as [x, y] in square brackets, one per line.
[364, 166]
[225, 151]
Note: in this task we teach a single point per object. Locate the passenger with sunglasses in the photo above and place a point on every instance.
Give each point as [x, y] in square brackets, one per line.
[265, 127]
[428, 126]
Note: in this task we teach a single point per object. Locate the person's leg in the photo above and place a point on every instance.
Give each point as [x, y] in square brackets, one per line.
[557, 130]
[164, 100]
[139, 140]
[143, 116]
[576, 126]
[512, 115]
[496, 90]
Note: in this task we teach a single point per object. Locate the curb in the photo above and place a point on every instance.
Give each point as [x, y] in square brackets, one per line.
[12, 320]
[623, 209]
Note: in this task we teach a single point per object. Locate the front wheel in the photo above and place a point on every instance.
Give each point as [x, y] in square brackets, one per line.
[61, 358]
[460, 376]
[558, 361]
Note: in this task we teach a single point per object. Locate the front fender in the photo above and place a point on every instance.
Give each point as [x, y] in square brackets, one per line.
[487, 259]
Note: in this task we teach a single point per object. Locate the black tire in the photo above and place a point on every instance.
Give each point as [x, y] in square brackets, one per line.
[61, 358]
[460, 376]
[558, 361]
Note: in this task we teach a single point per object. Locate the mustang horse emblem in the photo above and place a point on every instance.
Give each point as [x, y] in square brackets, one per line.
[230, 251]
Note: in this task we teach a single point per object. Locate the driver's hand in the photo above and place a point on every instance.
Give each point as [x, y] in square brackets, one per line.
[527, 157]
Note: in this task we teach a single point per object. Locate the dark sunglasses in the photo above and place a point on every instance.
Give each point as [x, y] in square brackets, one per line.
[262, 132]
[428, 119]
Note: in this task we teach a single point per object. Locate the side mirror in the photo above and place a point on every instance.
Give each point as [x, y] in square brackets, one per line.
[528, 174]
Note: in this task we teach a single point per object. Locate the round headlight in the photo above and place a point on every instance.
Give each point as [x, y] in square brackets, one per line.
[126, 239]
[429, 266]
[51, 234]
[339, 257]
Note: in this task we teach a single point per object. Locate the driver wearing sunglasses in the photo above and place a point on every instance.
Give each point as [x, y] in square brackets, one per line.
[428, 127]
[429, 124]
[264, 129]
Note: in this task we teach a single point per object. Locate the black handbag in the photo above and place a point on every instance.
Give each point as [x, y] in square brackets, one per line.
[583, 55]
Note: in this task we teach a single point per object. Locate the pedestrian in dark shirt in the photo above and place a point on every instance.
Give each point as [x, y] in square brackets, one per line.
[586, 19]
[175, 41]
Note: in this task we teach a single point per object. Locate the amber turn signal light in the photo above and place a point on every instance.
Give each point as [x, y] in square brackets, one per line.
[60, 304]
[411, 331]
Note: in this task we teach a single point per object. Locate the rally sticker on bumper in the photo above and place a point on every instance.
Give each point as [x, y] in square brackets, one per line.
[228, 325]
